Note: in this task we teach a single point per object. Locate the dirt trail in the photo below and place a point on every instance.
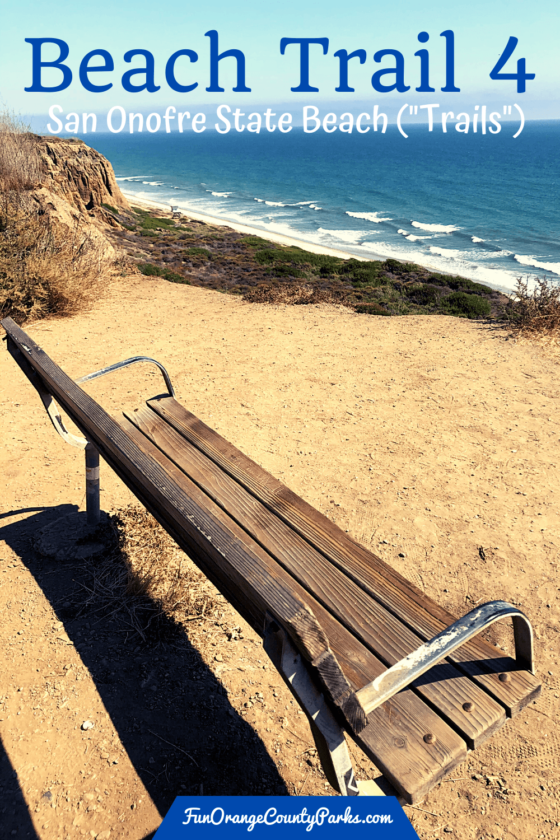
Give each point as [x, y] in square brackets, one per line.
[432, 440]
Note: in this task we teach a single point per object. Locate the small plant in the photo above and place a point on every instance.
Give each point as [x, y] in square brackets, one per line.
[399, 268]
[371, 309]
[198, 252]
[285, 271]
[423, 295]
[469, 306]
[150, 270]
[254, 242]
[537, 309]
[111, 209]
[152, 223]
[296, 256]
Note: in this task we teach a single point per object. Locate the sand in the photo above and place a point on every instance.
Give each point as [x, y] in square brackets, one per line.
[432, 440]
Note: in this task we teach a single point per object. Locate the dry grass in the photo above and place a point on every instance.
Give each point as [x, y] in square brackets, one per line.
[47, 269]
[20, 166]
[294, 294]
[144, 579]
[157, 568]
[535, 310]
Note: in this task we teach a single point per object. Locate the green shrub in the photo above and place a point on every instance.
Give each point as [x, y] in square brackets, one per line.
[397, 267]
[151, 223]
[472, 306]
[423, 295]
[285, 271]
[436, 279]
[151, 270]
[464, 285]
[363, 274]
[254, 242]
[298, 257]
[458, 283]
[111, 209]
[198, 252]
[371, 309]
[363, 277]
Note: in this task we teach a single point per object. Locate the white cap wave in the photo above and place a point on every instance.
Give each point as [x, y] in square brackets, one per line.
[435, 228]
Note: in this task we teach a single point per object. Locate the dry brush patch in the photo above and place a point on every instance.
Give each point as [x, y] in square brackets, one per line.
[47, 268]
[296, 294]
[20, 167]
[534, 310]
[144, 578]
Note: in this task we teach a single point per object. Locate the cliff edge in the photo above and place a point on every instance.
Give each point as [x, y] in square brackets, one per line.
[80, 175]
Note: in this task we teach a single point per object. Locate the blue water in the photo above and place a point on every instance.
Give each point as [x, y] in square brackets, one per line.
[482, 206]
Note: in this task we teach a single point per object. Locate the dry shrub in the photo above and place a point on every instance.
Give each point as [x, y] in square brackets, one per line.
[157, 568]
[47, 268]
[535, 309]
[143, 579]
[294, 294]
[20, 166]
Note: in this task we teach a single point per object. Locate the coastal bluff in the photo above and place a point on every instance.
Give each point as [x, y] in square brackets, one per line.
[76, 187]
[80, 175]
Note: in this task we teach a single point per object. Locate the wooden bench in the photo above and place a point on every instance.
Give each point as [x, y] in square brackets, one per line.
[362, 649]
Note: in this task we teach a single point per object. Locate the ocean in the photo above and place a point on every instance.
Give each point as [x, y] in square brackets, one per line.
[482, 206]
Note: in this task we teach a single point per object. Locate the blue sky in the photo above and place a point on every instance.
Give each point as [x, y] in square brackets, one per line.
[481, 27]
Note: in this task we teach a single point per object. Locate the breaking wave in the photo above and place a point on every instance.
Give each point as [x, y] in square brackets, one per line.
[546, 266]
[435, 228]
[349, 236]
[369, 217]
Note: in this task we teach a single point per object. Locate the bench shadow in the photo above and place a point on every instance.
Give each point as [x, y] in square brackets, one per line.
[170, 712]
[14, 814]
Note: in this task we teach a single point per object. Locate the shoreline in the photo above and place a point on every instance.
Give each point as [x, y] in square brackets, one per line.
[282, 239]
[277, 238]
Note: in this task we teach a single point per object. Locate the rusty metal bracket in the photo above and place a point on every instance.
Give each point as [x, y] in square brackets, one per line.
[397, 677]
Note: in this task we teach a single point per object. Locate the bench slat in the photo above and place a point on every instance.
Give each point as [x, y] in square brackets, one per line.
[393, 738]
[444, 687]
[478, 659]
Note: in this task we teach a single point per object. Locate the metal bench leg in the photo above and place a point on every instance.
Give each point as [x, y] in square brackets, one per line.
[92, 485]
[328, 736]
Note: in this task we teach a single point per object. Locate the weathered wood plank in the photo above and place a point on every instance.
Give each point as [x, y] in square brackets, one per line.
[394, 736]
[478, 659]
[444, 687]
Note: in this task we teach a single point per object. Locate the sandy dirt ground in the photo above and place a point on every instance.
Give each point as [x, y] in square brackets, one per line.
[432, 440]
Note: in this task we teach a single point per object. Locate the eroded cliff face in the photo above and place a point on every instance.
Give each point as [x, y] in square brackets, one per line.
[76, 182]
[80, 175]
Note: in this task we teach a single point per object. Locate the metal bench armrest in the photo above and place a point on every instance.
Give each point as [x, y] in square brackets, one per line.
[132, 361]
[403, 673]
